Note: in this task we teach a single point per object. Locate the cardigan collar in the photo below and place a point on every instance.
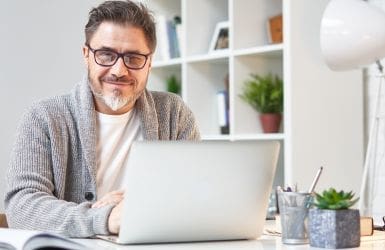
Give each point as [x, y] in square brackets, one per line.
[86, 118]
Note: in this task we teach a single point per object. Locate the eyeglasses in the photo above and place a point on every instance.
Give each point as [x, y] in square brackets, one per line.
[107, 58]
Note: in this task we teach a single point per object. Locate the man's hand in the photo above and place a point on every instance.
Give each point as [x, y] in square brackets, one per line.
[116, 198]
[113, 197]
[115, 218]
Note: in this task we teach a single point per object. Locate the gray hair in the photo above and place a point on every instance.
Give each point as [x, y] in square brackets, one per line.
[123, 12]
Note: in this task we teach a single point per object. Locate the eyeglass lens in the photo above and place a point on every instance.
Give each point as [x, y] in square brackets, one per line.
[109, 58]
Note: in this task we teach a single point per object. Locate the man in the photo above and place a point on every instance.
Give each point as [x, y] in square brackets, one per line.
[71, 151]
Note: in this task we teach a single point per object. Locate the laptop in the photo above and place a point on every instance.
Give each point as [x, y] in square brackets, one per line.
[184, 191]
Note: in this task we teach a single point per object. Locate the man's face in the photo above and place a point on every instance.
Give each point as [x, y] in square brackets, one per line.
[116, 87]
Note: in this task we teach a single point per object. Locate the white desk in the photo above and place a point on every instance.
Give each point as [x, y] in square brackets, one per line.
[265, 243]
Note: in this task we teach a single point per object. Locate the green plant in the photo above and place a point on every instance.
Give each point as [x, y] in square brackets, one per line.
[331, 199]
[173, 84]
[264, 93]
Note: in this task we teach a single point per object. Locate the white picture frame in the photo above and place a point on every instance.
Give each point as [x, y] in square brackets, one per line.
[220, 39]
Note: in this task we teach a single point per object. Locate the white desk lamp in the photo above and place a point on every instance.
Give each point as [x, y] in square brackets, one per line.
[353, 36]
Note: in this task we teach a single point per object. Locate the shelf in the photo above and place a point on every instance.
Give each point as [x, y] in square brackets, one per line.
[249, 21]
[243, 137]
[244, 117]
[216, 137]
[171, 62]
[200, 20]
[213, 56]
[159, 75]
[274, 50]
[205, 79]
[307, 82]
[275, 136]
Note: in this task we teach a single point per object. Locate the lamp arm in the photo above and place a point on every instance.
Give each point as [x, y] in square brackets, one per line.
[380, 67]
[366, 192]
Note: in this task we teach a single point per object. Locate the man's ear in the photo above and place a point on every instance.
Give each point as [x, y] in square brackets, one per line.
[150, 62]
[86, 54]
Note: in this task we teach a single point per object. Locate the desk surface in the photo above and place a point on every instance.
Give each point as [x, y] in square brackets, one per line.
[264, 243]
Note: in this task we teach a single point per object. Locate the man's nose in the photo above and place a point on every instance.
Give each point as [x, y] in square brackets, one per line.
[119, 69]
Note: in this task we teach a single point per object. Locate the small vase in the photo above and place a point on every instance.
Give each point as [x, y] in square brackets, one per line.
[334, 228]
[270, 122]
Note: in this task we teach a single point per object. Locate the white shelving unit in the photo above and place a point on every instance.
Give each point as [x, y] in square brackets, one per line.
[312, 93]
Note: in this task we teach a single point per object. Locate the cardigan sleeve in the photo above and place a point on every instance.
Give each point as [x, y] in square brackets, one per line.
[187, 126]
[31, 199]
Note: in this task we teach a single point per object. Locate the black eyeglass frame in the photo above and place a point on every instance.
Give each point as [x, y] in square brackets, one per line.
[120, 55]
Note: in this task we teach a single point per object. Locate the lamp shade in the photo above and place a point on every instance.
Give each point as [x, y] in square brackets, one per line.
[352, 34]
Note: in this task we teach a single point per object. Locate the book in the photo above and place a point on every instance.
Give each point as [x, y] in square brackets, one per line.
[163, 48]
[168, 42]
[15, 239]
[223, 115]
[179, 31]
[173, 43]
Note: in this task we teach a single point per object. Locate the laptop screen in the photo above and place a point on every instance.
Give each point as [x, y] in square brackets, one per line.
[197, 191]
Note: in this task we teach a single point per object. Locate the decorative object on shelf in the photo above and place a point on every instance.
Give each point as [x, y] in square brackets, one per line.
[274, 29]
[220, 39]
[353, 36]
[173, 85]
[332, 224]
[265, 95]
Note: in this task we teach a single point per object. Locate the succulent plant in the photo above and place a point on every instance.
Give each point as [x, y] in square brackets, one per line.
[333, 200]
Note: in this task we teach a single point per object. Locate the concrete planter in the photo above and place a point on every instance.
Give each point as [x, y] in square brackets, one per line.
[334, 228]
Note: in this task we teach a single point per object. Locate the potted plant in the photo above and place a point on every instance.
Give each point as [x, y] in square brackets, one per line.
[173, 84]
[332, 224]
[265, 95]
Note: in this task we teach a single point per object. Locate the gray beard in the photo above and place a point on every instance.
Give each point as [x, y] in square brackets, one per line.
[114, 101]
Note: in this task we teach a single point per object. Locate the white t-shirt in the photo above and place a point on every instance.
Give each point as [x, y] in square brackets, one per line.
[115, 134]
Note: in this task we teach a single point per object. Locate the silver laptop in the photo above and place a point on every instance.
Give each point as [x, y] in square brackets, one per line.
[182, 191]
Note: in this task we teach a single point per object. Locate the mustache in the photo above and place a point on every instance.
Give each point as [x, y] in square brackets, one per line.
[113, 78]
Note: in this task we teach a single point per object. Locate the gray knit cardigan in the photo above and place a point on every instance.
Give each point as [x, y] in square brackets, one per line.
[51, 179]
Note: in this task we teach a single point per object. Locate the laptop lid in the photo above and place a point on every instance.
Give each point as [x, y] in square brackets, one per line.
[179, 191]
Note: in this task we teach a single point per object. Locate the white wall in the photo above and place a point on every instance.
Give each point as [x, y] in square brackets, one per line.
[40, 56]
[326, 107]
